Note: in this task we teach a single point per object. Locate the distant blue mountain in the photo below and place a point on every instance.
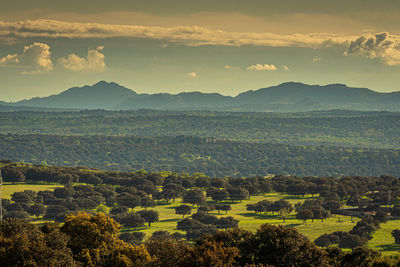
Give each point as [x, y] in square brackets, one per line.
[102, 95]
[291, 96]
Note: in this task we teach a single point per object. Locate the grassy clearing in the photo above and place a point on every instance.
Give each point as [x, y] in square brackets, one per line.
[251, 221]
[8, 188]
[383, 240]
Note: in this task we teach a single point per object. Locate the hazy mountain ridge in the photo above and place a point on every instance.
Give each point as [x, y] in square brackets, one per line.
[101, 95]
[290, 96]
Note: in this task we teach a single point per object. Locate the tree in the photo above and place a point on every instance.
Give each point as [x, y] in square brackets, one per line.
[276, 206]
[37, 210]
[396, 235]
[209, 253]
[130, 219]
[103, 208]
[304, 215]
[381, 216]
[134, 238]
[149, 216]
[183, 210]
[25, 244]
[205, 218]
[189, 224]
[172, 191]
[147, 202]
[332, 205]
[23, 215]
[219, 195]
[227, 222]
[26, 196]
[118, 210]
[326, 240]
[86, 203]
[280, 246]
[128, 200]
[55, 212]
[166, 251]
[284, 213]
[202, 181]
[194, 197]
[224, 207]
[219, 183]
[94, 241]
[350, 241]
[361, 257]
[238, 193]
[12, 174]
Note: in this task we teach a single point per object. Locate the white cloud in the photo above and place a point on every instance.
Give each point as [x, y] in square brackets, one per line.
[382, 46]
[259, 67]
[285, 68]
[189, 35]
[93, 62]
[316, 59]
[10, 59]
[35, 59]
[229, 67]
[192, 75]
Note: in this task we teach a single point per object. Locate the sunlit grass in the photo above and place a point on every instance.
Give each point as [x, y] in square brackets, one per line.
[8, 188]
[383, 240]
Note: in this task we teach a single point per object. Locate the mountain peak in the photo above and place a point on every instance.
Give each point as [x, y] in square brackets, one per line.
[105, 83]
[101, 95]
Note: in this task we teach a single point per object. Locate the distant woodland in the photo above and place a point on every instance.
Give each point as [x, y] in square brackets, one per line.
[332, 128]
[213, 157]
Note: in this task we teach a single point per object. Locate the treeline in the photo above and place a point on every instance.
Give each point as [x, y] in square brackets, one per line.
[94, 240]
[343, 128]
[214, 157]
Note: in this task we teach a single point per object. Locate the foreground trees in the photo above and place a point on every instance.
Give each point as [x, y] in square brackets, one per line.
[93, 240]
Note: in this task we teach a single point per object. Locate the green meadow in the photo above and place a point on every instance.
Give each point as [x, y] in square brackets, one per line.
[382, 239]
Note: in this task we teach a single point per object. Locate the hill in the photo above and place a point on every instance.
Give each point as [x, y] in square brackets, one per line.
[102, 95]
[286, 97]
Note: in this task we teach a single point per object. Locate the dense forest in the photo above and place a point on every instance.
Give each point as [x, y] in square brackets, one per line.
[213, 157]
[342, 128]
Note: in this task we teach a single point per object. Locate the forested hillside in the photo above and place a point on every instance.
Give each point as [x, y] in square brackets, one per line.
[213, 157]
[333, 128]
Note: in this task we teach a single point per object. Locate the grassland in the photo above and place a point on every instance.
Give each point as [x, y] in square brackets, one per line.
[382, 239]
[251, 221]
[8, 188]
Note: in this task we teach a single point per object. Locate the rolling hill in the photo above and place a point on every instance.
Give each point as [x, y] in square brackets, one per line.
[286, 97]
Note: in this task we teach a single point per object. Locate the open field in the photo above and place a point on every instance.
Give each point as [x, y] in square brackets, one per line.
[251, 221]
[382, 239]
[8, 188]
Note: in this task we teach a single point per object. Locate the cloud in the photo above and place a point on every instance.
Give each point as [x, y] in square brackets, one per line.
[259, 67]
[316, 59]
[285, 68]
[35, 58]
[229, 67]
[93, 62]
[189, 35]
[382, 46]
[10, 59]
[192, 75]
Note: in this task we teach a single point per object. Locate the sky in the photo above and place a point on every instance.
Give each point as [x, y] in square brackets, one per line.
[224, 46]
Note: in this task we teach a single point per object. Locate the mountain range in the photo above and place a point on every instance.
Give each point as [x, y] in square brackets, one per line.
[286, 97]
